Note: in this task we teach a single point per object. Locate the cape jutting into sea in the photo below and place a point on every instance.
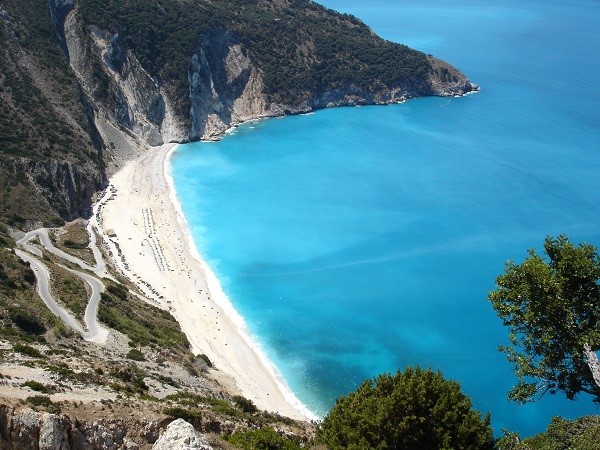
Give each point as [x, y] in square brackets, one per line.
[357, 241]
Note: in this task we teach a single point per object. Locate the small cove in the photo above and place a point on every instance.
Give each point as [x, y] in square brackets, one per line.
[361, 240]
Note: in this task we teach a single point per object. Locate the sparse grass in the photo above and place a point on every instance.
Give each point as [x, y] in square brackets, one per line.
[135, 355]
[69, 289]
[61, 369]
[43, 401]
[143, 324]
[39, 387]
[74, 239]
[27, 350]
[168, 380]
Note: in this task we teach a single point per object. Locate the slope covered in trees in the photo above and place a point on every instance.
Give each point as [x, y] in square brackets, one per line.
[45, 132]
[68, 69]
[302, 48]
[552, 308]
[414, 409]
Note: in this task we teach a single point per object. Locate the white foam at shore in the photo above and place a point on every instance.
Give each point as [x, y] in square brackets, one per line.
[217, 294]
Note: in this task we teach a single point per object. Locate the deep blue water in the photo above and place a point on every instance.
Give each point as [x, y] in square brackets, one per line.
[361, 240]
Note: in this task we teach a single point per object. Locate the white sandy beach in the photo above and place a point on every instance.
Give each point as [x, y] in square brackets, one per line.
[151, 244]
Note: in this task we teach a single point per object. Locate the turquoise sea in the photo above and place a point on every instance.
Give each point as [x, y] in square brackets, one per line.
[356, 241]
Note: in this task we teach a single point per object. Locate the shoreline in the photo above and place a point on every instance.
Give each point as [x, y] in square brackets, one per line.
[143, 225]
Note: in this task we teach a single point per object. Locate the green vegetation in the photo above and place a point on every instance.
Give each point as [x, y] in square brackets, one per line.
[70, 289]
[43, 401]
[39, 387]
[22, 316]
[414, 409]
[188, 415]
[27, 350]
[265, 438]
[143, 324]
[63, 370]
[580, 434]
[136, 355]
[552, 308]
[27, 322]
[246, 405]
[74, 239]
[302, 48]
[43, 121]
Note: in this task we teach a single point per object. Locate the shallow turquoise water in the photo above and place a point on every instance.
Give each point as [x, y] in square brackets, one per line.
[361, 240]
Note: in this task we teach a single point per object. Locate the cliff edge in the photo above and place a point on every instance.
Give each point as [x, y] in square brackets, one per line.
[88, 84]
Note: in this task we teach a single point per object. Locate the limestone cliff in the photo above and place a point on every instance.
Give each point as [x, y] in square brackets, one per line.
[89, 87]
[225, 85]
[51, 159]
[28, 429]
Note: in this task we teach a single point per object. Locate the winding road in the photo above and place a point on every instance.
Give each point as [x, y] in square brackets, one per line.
[94, 332]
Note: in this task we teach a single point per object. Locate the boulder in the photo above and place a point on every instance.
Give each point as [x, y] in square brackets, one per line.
[180, 435]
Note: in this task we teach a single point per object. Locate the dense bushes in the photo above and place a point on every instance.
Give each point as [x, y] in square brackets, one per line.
[303, 49]
[188, 415]
[263, 439]
[27, 322]
[245, 404]
[580, 434]
[143, 324]
[415, 409]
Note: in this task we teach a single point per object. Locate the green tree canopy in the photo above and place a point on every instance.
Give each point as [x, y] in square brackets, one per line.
[552, 306]
[415, 409]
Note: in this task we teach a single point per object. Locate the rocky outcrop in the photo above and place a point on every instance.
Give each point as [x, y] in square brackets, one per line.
[180, 435]
[64, 185]
[117, 84]
[226, 87]
[27, 429]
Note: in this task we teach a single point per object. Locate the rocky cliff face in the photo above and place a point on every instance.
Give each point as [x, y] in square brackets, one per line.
[226, 87]
[108, 99]
[50, 154]
[27, 429]
[123, 93]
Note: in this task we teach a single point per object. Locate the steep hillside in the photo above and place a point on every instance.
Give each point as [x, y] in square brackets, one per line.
[86, 84]
[50, 154]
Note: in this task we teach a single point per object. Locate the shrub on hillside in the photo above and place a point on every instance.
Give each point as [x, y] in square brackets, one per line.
[39, 387]
[188, 415]
[28, 350]
[245, 404]
[27, 322]
[414, 409]
[136, 355]
[264, 439]
[581, 433]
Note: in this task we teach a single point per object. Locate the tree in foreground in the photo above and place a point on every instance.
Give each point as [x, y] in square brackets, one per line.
[579, 434]
[552, 308]
[415, 409]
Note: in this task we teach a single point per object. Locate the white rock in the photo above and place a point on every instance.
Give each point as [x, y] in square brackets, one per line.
[180, 435]
[53, 433]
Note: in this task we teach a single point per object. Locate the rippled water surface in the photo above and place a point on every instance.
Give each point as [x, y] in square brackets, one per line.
[361, 240]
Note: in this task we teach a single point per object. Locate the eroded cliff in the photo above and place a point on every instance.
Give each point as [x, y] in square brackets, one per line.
[111, 79]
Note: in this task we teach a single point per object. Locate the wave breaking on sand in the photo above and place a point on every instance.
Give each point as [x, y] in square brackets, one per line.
[146, 232]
